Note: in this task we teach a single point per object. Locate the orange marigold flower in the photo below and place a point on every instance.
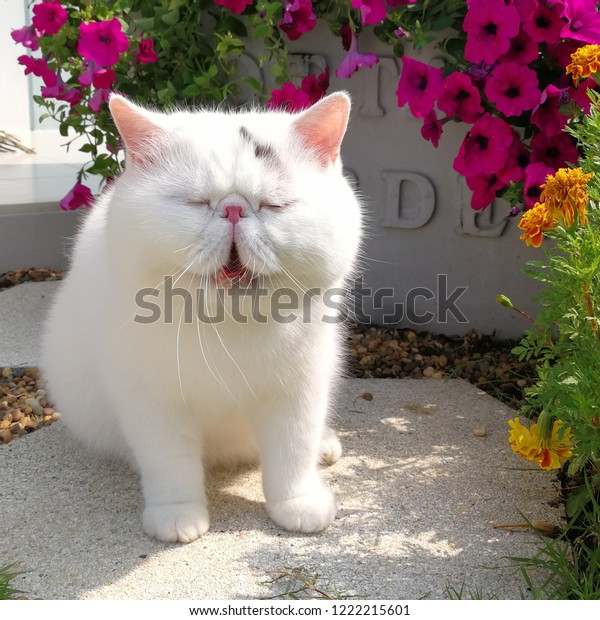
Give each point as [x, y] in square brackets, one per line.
[534, 222]
[585, 61]
[565, 192]
[548, 452]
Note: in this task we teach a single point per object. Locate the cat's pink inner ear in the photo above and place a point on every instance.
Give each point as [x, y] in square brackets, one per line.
[136, 128]
[322, 127]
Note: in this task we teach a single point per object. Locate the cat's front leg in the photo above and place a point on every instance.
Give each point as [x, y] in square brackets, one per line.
[169, 461]
[289, 438]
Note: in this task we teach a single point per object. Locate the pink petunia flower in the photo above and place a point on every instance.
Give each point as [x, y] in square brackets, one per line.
[535, 176]
[484, 188]
[523, 49]
[49, 17]
[560, 53]
[420, 86]
[513, 88]
[298, 18]
[27, 36]
[288, 98]
[104, 78]
[371, 11]
[547, 116]
[516, 163]
[544, 24]
[554, 151]
[39, 67]
[432, 129]
[235, 6]
[489, 24]
[485, 147]
[100, 96]
[354, 59]
[145, 52]
[580, 95]
[315, 86]
[460, 98]
[102, 42]
[79, 196]
[62, 92]
[583, 21]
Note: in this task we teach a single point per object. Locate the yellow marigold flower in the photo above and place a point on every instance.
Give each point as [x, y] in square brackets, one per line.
[534, 222]
[566, 192]
[585, 61]
[530, 444]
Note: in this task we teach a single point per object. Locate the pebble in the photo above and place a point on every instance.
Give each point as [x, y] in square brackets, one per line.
[23, 404]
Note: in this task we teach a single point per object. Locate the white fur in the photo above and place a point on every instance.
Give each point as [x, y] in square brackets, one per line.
[173, 397]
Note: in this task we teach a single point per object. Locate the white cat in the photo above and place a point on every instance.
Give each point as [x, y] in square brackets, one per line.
[211, 200]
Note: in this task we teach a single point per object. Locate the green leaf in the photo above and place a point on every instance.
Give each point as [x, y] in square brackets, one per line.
[171, 18]
[144, 24]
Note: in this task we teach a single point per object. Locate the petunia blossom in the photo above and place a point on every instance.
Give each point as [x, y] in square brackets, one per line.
[489, 24]
[544, 24]
[432, 129]
[523, 49]
[102, 42]
[27, 36]
[235, 6]
[49, 17]
[485, 147]
[513, 88]
[516, 162]
[100, 96]
[535, 177]
[354, 59]
[79, 196]
[315, 86]
[145, 52]
[460, 98]
[420, 86]
[554, 151]
[547, 116]
[298, 18]
[583, 21]
[288, 98]
[580, 94]
[484, 188]
[39, 67]
[62, 92]
[371, 11]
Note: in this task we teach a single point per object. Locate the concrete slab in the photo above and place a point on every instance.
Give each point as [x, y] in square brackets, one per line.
[418, 496]
[22, 312]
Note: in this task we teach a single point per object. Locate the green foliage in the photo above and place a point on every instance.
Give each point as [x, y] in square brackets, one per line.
[8, 574]
[566, 338]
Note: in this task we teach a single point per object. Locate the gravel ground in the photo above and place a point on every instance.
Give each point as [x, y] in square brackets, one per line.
[373, 352]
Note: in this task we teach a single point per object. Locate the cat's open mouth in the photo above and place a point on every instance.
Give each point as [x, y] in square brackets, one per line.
[234, 270]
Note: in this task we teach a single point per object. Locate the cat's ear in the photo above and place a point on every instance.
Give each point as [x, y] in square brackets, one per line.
[137, 128]
[322, 127]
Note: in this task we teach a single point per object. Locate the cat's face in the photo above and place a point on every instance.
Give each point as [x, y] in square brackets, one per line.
[236, 197]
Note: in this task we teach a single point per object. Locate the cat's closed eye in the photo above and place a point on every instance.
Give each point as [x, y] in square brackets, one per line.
[199, 202]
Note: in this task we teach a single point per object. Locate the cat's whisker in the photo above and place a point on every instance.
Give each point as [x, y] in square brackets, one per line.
[209, 364]
[187, 247]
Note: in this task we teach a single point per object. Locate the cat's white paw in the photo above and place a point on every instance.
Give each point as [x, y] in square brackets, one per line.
[311, 512]
[331, 449]
[176, 522]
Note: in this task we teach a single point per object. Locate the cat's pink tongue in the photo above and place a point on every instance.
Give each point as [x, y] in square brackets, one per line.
[233, 270]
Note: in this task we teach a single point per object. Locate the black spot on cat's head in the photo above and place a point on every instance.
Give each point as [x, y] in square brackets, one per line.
[261, 150]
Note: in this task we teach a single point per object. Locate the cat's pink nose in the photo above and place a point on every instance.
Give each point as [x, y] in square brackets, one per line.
[233, 213]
